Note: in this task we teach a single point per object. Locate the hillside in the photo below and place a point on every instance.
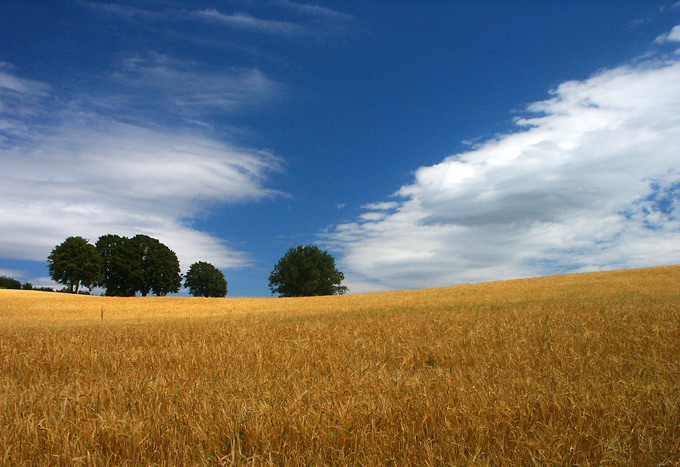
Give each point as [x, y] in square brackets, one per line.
[577, 369]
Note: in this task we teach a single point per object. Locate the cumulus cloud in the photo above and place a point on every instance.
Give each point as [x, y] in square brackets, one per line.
[589, 181]
[672, 36]
[72, 171]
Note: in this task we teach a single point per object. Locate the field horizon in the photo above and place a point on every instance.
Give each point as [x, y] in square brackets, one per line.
[578, 369]
[118, 305]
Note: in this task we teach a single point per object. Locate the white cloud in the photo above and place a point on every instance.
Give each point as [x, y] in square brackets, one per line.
[303, 20]
[246, 21]
[372, 216]
[589, 181]
[384, 206]
[12, 83]
[70, 171]
[13, 273]
[672, 36]
[183, 88]
[315, 10]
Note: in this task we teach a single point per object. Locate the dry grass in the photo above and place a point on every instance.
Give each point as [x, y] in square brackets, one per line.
[568, 370]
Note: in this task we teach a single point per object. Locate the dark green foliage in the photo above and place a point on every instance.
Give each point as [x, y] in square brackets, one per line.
[119, 265]
[9, 283]
[138, 264]
[205, 280]
[158, 267]
[74, 263]
[306, 271]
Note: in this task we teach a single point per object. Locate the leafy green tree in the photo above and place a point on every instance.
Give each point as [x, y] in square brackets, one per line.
[138, 264]
[120, 271]
[75, 262]
[9, 283]
[157, 267]
[205, 280]
[306, 271]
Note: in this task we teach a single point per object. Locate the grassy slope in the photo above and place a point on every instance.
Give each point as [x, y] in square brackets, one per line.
[577, 369]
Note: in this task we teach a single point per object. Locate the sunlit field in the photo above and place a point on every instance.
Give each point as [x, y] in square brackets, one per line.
[567, 370]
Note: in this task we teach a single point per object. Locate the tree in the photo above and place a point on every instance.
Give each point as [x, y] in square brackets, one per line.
[205, 280]
[138, 264]
[156, 267]
[9, 283]
[120, 270]
[75, 262]
[306, 271]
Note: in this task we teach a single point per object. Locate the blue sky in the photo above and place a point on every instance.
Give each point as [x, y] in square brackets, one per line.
[421, 143]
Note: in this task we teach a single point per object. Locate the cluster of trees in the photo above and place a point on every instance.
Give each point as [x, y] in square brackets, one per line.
[141, 264]
[127, 266]
[11, 283]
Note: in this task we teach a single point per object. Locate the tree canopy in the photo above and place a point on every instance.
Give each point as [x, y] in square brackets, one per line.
[306, 271]
[9, 283]
[75, 262]
[205, 280]
[120, 269]
[157, 267]
[138, 264]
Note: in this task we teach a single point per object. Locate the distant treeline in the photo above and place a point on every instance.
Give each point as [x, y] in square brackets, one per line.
[11, 283]
[125, 267]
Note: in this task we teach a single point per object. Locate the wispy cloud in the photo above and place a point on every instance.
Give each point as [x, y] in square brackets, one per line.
[127, 12]
[11, 83]
[246, 21]
[301, 20]
[187, 89]
[589, 181]
[13, 273]
[316, 11]
[89, 173]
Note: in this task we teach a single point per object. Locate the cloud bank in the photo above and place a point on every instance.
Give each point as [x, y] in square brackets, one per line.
[70, 168]
[589, 181]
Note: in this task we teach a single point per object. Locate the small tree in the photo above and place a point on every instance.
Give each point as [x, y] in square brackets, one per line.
[205, 280]
[75, 262]
[306, 271]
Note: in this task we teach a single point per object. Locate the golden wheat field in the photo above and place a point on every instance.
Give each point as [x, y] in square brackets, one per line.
[566, 370]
